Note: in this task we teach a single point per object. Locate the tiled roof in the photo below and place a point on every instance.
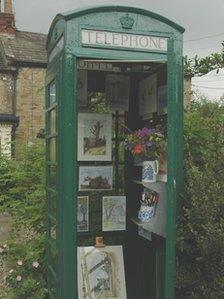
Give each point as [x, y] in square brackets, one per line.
[24, 47]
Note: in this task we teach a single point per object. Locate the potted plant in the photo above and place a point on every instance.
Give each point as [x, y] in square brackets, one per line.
[146, 145]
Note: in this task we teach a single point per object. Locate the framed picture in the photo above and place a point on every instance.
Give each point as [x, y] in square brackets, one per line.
[93, 178]
[94, 137]
[82, 88]
[144, 233]
[117, 92]
[148, 95]
[162, 100]
[101, 273]
[83, 214]
[114, 213]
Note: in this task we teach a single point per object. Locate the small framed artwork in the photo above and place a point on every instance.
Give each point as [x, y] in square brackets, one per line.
[162, 100]
[148, 95]
[95, 178]
[83, 214]
[144, 233]
[114, 213]
[94, 137]
[82, 87]
[101, 273]
[117, 92]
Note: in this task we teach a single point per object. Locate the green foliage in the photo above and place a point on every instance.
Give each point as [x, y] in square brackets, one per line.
[202, 66]
[22, 183]
[200, 238]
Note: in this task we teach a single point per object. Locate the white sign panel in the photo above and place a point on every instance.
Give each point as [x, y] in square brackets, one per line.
[123, 40]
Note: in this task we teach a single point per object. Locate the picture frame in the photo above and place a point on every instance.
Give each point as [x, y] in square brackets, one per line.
[94, 137]
[82, 88]
[148, 95]
[114, 213]
[117, 92]
[83, 214]
[101, 273]
[95, 178]
[144, 233]
[162, 100]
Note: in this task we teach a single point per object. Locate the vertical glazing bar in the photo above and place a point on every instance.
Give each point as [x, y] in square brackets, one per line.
[173, 163]
[48, 223]
[116, 152]
[67, 180]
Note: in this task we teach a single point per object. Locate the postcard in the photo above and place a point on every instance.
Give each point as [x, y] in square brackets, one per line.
[83, 214]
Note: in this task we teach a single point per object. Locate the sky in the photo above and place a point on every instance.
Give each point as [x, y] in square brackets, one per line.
[202, 19]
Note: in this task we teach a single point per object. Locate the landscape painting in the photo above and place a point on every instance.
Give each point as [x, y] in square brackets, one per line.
[94, 137]
[95, 178]
[101, 273]
[114, 213]
[83, 214]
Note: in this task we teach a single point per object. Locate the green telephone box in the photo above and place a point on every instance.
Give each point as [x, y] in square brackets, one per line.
[111, 69]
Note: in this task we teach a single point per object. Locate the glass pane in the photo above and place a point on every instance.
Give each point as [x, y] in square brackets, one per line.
[53, 176]
[121, 152]
[53, 205]
[52, 122]
[121, 176]
[52, 149]
[52, 96]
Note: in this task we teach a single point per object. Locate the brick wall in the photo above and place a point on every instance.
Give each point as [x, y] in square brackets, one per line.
[29, 104]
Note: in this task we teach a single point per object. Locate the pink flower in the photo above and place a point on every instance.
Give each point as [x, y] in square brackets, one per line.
[18, 278]
[11, 271]
[35, 264]
[20, 263]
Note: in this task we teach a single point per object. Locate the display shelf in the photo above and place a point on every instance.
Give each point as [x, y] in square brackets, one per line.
[152, 186]
[136, 221]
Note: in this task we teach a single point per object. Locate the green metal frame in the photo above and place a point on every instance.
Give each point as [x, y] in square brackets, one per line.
[64, 68]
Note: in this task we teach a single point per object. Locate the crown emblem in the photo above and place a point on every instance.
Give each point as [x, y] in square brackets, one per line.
[127, 22]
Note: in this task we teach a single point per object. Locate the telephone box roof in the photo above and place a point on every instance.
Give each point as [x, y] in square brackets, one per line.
[113, 8]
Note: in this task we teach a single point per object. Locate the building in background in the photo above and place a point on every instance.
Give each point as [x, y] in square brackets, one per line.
[210, 85]
[22, 75]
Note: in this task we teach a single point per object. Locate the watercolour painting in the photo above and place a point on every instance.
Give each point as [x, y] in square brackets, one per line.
[117, 92]
[148, 95]
[94, 137]
[114, 213]
[95, 178]
[83, 214]
[101, 273]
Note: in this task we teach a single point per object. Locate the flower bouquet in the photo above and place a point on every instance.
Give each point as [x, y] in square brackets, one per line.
[145, 143]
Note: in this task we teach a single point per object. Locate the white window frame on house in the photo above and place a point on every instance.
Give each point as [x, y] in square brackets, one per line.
[5, 139]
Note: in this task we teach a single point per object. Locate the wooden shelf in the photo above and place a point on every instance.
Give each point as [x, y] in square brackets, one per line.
[152, 186]
[136, 221]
